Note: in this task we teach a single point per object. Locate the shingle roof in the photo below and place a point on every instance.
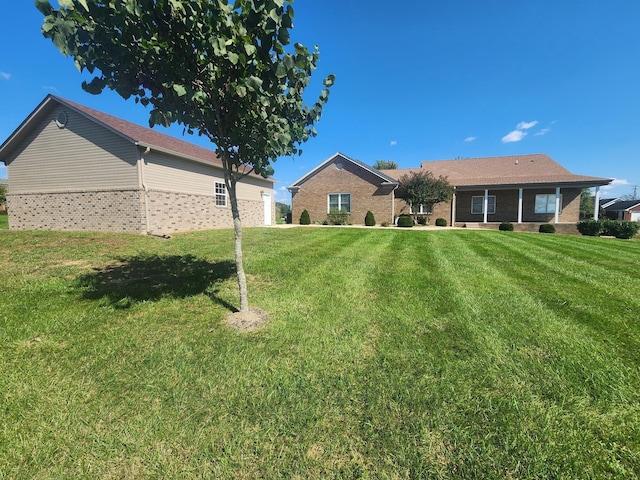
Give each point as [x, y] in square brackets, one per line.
[508, 170]
[623, 205]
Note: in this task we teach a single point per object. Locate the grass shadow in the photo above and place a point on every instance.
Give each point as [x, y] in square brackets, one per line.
[143, 278]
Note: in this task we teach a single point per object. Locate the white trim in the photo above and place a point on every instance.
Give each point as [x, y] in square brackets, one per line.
[596, 204]
[557, 206]
[222, 194]
[339, 201]
[520, 195]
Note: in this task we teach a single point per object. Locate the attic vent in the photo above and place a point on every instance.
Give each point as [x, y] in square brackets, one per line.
[62, 119]
[339, 166]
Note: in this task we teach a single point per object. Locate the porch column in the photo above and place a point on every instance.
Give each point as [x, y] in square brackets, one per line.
[520, 190]
[486, 204]
[453, 208]
[596, 204]
[557, 214]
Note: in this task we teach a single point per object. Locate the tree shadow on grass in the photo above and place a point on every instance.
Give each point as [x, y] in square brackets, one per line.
[144, 278]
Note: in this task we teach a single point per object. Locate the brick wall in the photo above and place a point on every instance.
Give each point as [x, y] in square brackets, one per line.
[364, 187]
[125, 210]
[176, 212]
[99, 211]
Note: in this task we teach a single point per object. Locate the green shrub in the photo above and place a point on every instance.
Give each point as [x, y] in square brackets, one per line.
[506, 227]
[609, 228]
[385, 224]
[627, 229]
[338, 217]
[369, 219]
[422, 220]
[305, 219]
[591, 228]
[547, 228]
[441, 222]
[405, 221]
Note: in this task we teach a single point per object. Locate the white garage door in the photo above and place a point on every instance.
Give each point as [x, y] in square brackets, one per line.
[635, 216]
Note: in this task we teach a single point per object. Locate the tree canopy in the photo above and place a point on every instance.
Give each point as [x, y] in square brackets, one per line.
[385, 165]
[423, 188]
[223, 69]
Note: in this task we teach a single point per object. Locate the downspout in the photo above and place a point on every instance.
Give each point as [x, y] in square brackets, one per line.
[393, 205]
[454, 199]
[142, 184]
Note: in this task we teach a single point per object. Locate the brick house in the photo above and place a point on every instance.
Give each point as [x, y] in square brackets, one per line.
[526, 190]
[71, 167]
[623, 210]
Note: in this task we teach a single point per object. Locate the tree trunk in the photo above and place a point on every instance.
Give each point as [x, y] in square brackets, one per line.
[237, 236]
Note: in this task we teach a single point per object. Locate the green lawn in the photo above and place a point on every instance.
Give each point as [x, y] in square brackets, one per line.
[389, 354]
[4, 221]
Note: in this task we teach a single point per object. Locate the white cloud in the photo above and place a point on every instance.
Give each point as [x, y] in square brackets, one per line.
[519, 133]
[616, 183]
[469, 139]
[542, 132]
[393, 142]
[514, 136]
[5, 76]
[526, 125]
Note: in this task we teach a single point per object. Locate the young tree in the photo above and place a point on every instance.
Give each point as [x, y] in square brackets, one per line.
[219, 68]
[385, 165]
[423, 188]
[586, 203]
[3, 194]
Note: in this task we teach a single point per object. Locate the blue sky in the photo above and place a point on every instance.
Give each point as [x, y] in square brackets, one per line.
[421, 80]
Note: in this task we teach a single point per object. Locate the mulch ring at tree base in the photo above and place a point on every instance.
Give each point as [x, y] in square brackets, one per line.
[247, 321]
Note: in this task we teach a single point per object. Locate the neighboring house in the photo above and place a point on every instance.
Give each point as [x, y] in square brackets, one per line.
[623, 210]
[523, 189]
[74, 168]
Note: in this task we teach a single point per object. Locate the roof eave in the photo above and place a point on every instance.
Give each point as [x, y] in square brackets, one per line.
[504, 186]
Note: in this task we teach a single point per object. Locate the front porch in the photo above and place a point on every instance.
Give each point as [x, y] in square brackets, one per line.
[526, 207]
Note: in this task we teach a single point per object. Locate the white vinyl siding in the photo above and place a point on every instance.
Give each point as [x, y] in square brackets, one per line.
[477, 205]
[339, 202]
[169, 173]
[546, 203]
[80, 156]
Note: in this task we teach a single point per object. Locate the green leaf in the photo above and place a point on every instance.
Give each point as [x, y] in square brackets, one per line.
[233, 57]
[84, 4]
[180, 90]
[44, 6]
[250, 49]
[281, 71]
[254, 83]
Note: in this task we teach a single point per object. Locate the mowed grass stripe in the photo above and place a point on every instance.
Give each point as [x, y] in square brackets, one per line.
[390, 354]
[576, 288]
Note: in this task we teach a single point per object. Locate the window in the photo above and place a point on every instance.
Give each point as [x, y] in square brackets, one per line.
[424, 209]
[546, 203]
[340, 201]
[477, 205]
[221, 194]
